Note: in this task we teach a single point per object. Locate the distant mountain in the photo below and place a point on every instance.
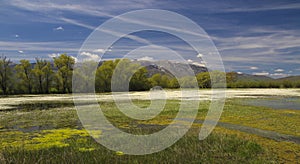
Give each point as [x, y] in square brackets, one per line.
[164, 68]
[289, 78]
[248, 77]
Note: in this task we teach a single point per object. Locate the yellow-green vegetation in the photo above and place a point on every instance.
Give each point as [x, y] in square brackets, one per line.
[285, 152]
[282, 121]
[55, 135]
[44, 139]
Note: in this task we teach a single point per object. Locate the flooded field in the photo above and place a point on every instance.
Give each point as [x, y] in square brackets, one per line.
[251, 128]
[275, 102]
[13, 101]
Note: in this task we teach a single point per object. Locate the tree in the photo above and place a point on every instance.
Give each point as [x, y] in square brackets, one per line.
[126, 74]
[37, 71]
[48, 73]
[188, 82]
[164, 81]
[104, 74]
[218, 79]
[231, 77]
[43, 75]
[139, 80]
[155, 79]
[24, 72]
[203, 79]
[5, 73]
[173, 83]
[64, 64]
[84, 74]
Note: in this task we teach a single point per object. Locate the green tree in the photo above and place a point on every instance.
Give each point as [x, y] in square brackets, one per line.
[164, 81]
[24, 72]
[203, 79]
[43, 75]
[173, 83]
[231, 78]
[139, 80]
[125, 72]
[64, 65]
[188, 82]
[84, 73]
[5, 74]
[129, 75]
[48, 76]
[104, 74]
[155, 79]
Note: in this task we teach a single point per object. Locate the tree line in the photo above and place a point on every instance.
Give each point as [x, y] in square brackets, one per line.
[40, 77]
[44, 77]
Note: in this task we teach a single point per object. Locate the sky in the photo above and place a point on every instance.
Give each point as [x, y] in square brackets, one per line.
[259, 37]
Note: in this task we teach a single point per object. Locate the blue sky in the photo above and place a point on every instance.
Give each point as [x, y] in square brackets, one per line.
[252, 36]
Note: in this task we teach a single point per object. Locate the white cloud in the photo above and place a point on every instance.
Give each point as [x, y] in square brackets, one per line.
[53, 55]
[190, 60]
[199, 55]
[239, 73]
[90, 56]
[263, 8]
[100, 50]
[279, 75]
[74, 22]
[59, 29]
[260, 45]
[146, 58]
[261, 73]
[75, 59]
[109, 31]
[47, 6]
[253, 68]
[40, 46]
[21, 52]
[279, 70]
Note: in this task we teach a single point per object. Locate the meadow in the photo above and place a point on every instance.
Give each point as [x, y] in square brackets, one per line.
[46, 129]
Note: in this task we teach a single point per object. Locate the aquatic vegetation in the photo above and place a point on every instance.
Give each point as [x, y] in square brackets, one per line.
[43, 140]
[282, 151]
[282, 121]
[119, 153]
[83, 149]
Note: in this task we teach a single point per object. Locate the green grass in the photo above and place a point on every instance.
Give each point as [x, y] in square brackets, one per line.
[282, 121]
[79, 148]
[45, 132]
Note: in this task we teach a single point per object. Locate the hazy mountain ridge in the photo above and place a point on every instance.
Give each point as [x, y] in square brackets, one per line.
[248, 77]
[165, 68]
[244, 77]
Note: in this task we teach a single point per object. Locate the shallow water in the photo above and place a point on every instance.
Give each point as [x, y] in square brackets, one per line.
[275, 103]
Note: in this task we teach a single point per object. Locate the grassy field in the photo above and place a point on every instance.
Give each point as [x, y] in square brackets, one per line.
[49, 131]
